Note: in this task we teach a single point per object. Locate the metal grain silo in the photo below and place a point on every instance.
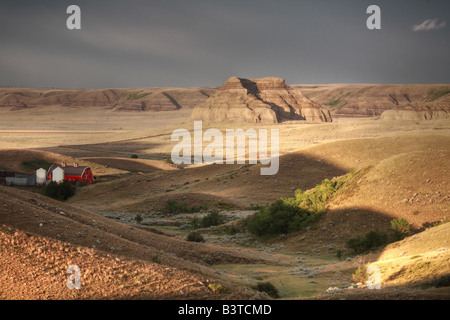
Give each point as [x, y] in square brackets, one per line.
[41, 176]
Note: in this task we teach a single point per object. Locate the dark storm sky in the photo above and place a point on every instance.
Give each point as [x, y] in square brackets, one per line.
[188, 43]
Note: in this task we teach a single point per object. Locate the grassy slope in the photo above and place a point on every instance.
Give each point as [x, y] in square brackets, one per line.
[417, 259]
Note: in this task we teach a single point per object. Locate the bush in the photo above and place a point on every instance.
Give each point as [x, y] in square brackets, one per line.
[232, 230]
[360, 275]
[155, 259]
[290, 214]
[80, 183]
[316, 200]
[278, 218]
[443, 281]
[138, 218]
[195, 237]
[438, 223]
[195, 223]
[371, 240]
[268, 288]
[203, 207]
[254, 207]
[172, 206]
[212, 219]
[401, 229]
[59, 191]
[375, 239]
[357, 244]
[134, 156]
[222, 205]
[218, 288]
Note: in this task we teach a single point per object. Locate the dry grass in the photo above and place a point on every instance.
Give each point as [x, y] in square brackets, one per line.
[417, 260]
[401, 159]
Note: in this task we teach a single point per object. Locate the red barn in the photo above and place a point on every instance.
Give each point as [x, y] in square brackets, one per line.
[73, 173]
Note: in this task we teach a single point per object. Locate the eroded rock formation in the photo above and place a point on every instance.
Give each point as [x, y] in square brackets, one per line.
[266, 100]
[152, 99]
[415, 115]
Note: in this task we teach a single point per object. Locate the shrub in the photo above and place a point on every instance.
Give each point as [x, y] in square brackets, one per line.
[134, 156]
[278, 218]
[59, 191]
[371, 240]
[357, 244]
[290, 214]
[212, 219]
[232, 230]
[138, 218]
[203, 207]
[80, 183]
[195, 237]
[316, 200]
[401, 228]
[218, 288]
[254, 207]
[438, 223]
[155, 259]
[222, 205]
[268, 288]
[443, 281]
[195, 223]
[360, 275]
[375, 239]
[172, 206]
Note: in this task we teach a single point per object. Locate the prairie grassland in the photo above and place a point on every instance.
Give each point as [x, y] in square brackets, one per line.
[406, 164]
[84, 132]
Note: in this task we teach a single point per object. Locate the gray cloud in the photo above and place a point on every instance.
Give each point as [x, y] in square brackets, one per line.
[189, 43]
[429, 24]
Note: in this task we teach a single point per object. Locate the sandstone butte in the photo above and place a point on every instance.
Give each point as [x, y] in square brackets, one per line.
[265, 100]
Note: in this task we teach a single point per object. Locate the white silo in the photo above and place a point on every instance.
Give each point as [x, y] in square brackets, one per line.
[58, 174]
[41, 176]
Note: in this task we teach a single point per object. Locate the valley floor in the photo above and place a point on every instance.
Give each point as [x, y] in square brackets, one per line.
[118, 230]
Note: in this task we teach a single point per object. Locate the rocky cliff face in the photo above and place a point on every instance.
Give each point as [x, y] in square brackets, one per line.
[266, 100]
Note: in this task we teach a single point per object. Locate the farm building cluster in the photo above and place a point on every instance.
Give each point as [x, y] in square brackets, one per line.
[57, 173]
